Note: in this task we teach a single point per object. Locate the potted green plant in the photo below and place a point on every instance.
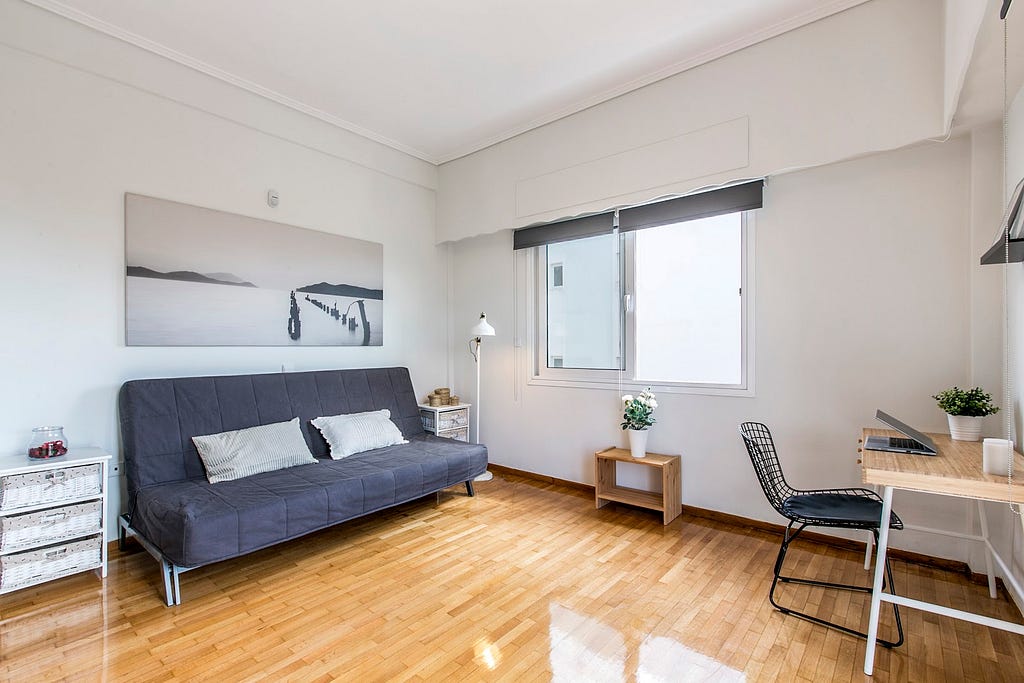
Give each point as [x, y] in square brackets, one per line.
[637, 418]
[964, 409]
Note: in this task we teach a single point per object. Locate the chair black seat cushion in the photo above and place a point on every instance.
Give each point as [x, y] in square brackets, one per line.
[841, 509]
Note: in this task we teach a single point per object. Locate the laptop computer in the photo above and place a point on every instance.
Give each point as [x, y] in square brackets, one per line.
[915, 442]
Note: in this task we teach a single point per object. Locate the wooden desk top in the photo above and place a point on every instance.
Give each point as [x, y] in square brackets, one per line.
[955, 471]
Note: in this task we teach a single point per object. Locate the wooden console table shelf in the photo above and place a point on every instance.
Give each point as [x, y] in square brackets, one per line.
[606, 490]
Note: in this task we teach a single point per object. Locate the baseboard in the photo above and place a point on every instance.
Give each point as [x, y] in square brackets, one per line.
[955, 566]
[501, 469]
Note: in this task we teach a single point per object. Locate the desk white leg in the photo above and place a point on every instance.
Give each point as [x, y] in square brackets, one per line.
[876, 590]
[871, 540]
[988, 550]
[867, 551]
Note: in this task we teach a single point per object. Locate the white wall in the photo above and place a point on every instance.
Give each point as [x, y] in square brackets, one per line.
[962, 19]
[867, 79]
[74, 141]
[862, 302]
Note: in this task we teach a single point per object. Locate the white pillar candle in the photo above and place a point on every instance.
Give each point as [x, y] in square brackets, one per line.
[996, 455]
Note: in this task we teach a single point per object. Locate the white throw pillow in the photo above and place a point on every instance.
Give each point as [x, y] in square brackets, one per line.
[358, 432]
[244, 452]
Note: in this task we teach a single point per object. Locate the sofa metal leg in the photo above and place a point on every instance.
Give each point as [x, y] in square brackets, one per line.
[165, 569]
[469, 488]
[175, 573]
[122, 532]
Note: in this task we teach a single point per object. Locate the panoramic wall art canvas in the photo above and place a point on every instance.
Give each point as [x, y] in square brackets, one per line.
[199, 277]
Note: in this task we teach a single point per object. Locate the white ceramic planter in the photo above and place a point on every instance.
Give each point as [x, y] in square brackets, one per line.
[964, 427]
[638, 442]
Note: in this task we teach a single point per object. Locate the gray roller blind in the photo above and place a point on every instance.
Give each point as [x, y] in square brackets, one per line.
[562, 231]
[691, 207]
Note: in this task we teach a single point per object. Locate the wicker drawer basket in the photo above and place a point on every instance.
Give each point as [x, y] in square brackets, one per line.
[35, 566]
[49, 486]
[46, 527]
[458, 434]
[449, 419]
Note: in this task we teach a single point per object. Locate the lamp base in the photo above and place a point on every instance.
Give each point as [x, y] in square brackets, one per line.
[486, 476]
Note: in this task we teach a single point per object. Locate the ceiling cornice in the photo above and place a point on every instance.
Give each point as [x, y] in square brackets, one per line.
[822, 11]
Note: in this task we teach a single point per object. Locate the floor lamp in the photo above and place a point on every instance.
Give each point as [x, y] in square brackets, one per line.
[481, 329]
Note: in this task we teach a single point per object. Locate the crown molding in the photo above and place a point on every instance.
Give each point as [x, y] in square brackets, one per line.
[822, 11]
[202, 67]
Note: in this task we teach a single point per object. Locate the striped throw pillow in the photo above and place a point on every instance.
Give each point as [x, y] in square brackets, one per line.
[244, 452]
[358, 432]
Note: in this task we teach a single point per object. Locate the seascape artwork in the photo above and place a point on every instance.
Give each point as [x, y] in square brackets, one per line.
[200, 277]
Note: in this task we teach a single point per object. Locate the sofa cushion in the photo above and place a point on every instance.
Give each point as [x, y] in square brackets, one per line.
[358, 432]
[245, 452]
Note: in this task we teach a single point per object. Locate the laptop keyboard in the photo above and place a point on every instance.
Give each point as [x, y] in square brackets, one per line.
[900, 442]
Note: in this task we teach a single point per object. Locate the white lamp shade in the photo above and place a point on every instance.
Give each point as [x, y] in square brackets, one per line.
[482, 328]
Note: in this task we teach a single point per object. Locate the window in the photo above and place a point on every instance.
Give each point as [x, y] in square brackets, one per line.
[663, 300]
[689, 312]
[582, 321]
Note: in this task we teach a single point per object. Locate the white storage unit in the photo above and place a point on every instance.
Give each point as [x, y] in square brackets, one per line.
[52, 516]
[450, 422]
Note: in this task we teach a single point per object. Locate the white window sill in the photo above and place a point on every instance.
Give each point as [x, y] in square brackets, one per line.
[632, 386]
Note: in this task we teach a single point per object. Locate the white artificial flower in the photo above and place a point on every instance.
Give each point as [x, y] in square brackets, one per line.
[628, 398]
[653, 404]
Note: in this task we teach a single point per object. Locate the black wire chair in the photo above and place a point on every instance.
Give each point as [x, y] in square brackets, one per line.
[839, 508]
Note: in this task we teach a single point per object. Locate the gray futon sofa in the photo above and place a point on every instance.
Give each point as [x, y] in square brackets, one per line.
[186, 522]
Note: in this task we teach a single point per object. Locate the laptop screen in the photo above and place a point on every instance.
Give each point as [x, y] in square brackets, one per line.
[904, 428]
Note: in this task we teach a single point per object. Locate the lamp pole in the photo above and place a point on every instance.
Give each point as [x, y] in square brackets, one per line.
[481, 329]
[476, 413]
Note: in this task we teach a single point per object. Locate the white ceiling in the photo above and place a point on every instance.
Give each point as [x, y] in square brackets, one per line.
[442, 78]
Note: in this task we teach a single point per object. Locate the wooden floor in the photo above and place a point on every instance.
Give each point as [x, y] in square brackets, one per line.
[524, 582]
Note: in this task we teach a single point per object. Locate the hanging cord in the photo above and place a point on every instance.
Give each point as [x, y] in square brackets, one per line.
[620, 246]
[1007, 356]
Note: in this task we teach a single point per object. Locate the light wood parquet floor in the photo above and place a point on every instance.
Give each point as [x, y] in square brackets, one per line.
[524, 582]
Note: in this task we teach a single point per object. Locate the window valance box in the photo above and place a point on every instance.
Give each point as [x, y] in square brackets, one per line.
[731, 199]
[563, 231]
[724, 200]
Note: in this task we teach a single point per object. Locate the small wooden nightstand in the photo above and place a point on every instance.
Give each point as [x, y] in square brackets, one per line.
[668, 501]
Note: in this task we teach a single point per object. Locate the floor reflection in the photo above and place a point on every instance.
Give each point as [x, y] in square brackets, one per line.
[487, 653]
[664, 659]
[37, 633]
[585, 649]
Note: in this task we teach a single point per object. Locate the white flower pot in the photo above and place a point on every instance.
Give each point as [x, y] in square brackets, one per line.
[638, 442]
[964, 427]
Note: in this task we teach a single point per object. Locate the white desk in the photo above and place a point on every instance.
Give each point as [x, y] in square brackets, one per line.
[955, 471]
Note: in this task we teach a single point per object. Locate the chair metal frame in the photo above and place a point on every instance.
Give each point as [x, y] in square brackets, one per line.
[765, 460]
